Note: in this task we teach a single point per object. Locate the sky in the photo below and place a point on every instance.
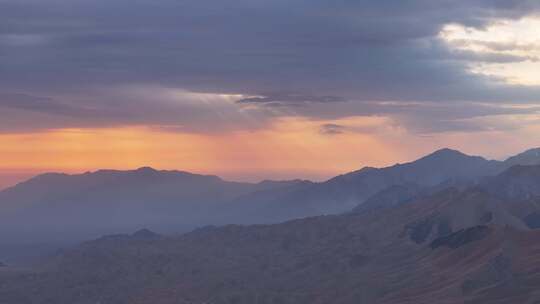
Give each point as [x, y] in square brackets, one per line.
[257, 89]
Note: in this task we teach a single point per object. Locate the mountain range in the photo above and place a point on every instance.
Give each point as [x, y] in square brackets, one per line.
[110, 201]
[469, 242]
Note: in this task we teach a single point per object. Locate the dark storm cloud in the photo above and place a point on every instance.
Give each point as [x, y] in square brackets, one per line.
[332, 129]
[317, 51]
[295, 99]
[426, 118]
[44, 105]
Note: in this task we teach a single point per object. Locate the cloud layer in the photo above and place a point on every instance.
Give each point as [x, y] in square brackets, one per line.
[207, 65]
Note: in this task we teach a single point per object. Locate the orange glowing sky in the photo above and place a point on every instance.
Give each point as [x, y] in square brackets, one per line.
[316, 95]
[291, 148]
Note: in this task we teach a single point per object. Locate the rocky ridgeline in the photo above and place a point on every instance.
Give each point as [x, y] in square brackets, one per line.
[457, 245]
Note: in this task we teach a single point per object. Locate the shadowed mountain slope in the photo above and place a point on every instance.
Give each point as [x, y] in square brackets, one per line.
[52, 209]
[529, 157]
[345, 192]
[453, 246]
[75, 207]
[114, 200]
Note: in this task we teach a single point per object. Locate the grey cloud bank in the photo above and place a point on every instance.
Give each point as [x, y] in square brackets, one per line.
[74, 59]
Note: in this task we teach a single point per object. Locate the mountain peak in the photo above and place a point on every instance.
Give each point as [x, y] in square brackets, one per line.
[145, 234]
[447, 152]
[146, 170]
[529, 157]
[533, 151]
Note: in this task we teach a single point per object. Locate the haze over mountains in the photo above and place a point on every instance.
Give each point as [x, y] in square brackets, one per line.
[109, 201]
[269, 88]
[459, 242]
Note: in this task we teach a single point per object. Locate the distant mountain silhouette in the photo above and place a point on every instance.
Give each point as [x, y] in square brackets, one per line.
[392, 196]
[529, 157]
[145, 234]
[75, 207]
[518, 182]
[455, 245]
[345, 192]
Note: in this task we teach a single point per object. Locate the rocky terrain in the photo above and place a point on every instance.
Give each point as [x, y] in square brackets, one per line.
[477, 244]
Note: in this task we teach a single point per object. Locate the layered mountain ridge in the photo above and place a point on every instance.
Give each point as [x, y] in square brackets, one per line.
[453, 245]
[111, 201]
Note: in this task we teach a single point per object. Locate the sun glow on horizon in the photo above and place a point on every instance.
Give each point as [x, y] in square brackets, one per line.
[291, 147]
